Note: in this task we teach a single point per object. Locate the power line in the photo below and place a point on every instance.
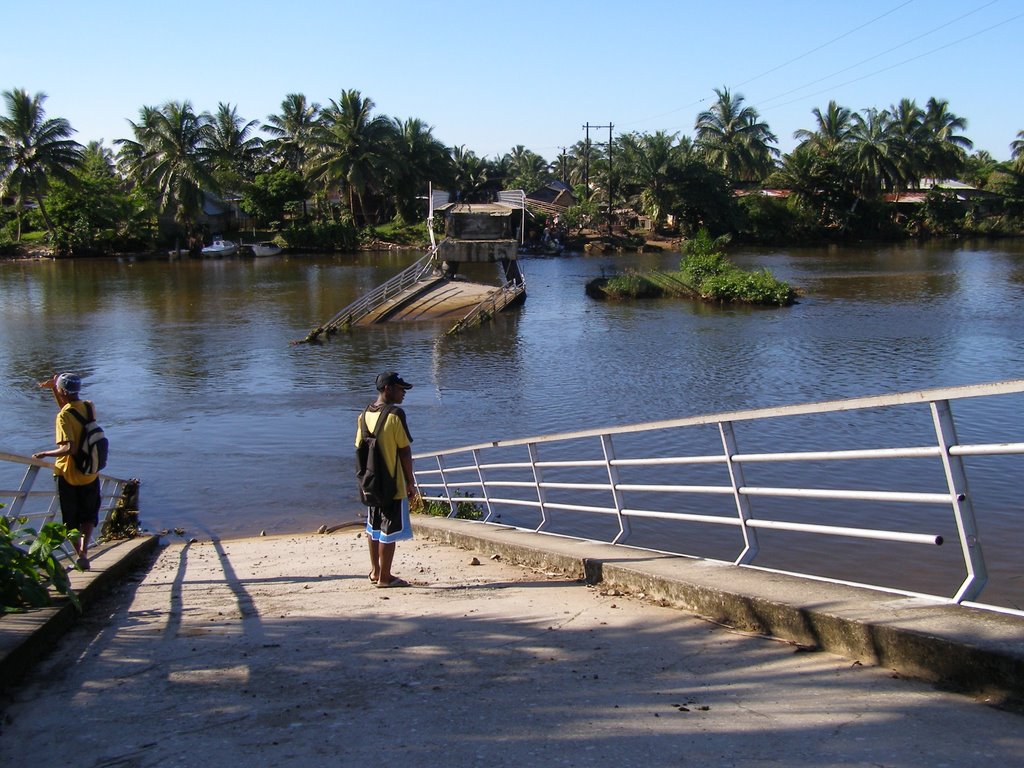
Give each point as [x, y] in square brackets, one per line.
[899, 63]
[826, 44]
[882, 53]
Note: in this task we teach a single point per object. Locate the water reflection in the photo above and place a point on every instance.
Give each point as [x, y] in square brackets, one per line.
[235, 430]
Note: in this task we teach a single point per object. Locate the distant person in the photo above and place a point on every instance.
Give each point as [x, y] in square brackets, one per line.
[389, 524]
[79, 493]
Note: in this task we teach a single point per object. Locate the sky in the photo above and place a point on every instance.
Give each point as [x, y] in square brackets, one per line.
[488, 76]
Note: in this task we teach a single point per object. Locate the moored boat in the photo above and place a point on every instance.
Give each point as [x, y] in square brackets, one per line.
[266, 248]
[220, 247]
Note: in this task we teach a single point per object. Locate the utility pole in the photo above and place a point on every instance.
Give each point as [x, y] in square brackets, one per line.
[586, 166]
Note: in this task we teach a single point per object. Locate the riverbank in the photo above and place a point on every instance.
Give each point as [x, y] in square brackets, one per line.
[277, 650]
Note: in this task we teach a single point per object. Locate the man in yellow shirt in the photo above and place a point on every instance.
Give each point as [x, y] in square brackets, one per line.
[388, 524]
[78, 492]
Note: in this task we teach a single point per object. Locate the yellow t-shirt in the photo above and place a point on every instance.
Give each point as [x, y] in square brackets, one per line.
[391, 438]
[69, 430]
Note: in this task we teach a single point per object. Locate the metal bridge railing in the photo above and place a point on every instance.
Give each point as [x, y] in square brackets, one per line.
[498, 299]
[367, 303]
[36, 499]
[579, 486]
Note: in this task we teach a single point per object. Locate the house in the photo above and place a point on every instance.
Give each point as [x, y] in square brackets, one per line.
[554, 198]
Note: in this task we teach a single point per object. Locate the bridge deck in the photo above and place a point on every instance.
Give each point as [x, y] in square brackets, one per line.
[433, 298]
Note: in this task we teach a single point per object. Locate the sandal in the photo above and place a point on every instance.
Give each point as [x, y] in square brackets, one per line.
[372, 580]
[395, 582]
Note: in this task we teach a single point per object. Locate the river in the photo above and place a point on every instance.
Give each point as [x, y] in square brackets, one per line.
[233, 430]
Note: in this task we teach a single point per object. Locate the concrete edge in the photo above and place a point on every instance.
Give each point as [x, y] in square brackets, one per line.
[956, 648]
[26, 637]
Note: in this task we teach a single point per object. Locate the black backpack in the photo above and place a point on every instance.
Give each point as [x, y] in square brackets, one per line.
[90, 455]
[377, 486]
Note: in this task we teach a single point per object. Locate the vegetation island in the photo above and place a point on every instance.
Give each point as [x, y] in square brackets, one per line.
[338, 176]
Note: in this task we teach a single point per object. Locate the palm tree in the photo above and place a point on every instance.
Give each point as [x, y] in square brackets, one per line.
[875, 153]
[419, 158]
[734, 139]
[526, 169]
[291, 131]
[352, 149]
[172, 156]
[646, 162]
[833, 129]
[33, 150]
[946, 150]
[909, 137]
[472, 173]
[1017, 151]
[234, 148]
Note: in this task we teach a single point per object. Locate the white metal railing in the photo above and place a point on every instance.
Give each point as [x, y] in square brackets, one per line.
[384, 292]
[36, 499]
[581, 477]
[495, 301]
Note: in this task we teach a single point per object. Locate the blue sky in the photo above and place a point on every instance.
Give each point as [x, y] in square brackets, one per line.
[488, 76]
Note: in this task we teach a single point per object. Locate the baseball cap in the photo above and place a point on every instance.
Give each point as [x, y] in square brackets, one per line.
[389, 378]
[70, 383]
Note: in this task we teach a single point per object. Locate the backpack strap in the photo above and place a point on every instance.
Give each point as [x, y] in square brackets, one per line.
[381, 418]
[88, 413]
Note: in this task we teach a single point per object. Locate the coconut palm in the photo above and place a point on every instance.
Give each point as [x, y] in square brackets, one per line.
[419, 159]
[234, 147]
[352, 150]
[734, 139]
[33, 150]
[472, 174]
[875, 152]
[1017, 151]
[833, 131]
[525, 169]
[910, 138]
[172, 156]
[646, 161]
[291, 131]
[946, 149]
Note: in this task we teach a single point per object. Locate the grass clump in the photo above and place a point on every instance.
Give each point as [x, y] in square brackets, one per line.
[464, 509]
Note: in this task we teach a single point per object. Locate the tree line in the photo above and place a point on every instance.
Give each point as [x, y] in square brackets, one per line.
[321, 175]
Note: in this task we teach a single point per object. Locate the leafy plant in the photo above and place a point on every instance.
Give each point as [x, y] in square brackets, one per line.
[464, 510]
[27, 574]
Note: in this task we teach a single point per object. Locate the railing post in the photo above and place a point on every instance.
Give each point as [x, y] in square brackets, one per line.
[444, 484]
[750, 543]
[613, 480]
[483, 484]
[26, 485]
[532, 448]
[963, 509]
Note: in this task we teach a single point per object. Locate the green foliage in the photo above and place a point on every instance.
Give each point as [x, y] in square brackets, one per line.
[718, 279]
[322, 236]
[27, 574]
[464, 509]
[412, 235]
[271, 195]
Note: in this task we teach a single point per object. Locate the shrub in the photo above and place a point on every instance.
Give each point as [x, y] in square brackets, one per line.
[464, 509]
[27, 574]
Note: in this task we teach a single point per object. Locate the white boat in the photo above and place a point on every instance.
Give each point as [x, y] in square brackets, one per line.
[220, 248]
[266, 248]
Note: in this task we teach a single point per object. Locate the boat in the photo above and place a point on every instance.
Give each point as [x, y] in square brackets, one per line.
[220, 247]
[266, 248]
